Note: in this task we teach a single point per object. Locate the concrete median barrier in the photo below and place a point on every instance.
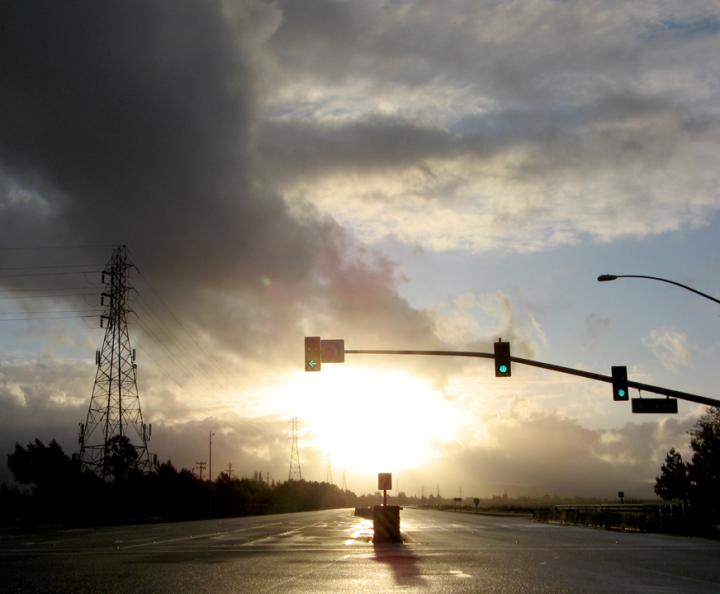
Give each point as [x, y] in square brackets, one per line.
[386, 523]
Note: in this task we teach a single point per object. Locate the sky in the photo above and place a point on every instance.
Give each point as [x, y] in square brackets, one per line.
[398, 174]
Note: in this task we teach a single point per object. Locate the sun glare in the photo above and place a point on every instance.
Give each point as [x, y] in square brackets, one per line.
[370, 420]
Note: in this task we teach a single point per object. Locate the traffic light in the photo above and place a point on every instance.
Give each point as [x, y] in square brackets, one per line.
[502, 359]
[312, 353]
[620, 383]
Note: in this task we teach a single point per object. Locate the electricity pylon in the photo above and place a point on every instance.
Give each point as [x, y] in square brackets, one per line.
[115, 404]
[328, 478]
[294, 474]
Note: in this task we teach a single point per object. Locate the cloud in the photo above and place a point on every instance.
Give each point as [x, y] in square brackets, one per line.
[527, 450]
[520, 127]
[595, 324]
[670, 346]
[128, 123]
[250, 154]
[136, 123]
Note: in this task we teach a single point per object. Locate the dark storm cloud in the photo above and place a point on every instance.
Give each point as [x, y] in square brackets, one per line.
[553, 141]
[513, 51]
[127, 123]
[134, 111]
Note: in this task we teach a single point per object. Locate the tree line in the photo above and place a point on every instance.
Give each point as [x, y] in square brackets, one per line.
[696, 483]
[60, 491]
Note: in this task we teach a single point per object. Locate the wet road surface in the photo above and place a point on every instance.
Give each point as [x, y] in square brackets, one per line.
[332, 552]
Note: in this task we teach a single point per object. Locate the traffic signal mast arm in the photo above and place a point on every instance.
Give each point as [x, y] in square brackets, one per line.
[586, 374]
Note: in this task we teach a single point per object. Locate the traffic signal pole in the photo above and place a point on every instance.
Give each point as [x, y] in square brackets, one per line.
[586, 374]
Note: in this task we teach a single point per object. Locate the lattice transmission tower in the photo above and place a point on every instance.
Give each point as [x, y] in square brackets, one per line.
[115, 404]
[294, 474]
[328, 477]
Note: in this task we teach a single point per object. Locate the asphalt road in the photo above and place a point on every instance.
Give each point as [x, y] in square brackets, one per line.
[332, 552]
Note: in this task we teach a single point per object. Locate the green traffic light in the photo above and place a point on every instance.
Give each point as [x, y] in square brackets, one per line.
[620, 383]
[502, 359]
[312, 353]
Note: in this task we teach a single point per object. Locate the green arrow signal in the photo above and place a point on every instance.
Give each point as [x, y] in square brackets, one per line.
[312, 363]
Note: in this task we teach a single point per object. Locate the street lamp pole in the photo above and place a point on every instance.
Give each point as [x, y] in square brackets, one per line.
[612, 277]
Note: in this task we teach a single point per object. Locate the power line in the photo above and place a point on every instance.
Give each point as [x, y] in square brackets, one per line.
[51, 312]
[57, 247]
[163, 336]
[49, 318]
[171, 335]
[217, 366]
[26, 290]
[183, 328]
[49, 267]
[49, 273]
[153, 337]
[48, 296]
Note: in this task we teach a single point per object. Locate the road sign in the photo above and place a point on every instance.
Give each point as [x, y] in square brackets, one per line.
[385, 481]
[654, 405]
[333, 351]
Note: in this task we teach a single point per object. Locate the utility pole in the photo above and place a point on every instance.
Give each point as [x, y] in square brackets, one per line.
[114, 409]
[230, 470]
[201, 467]
[295, 474]
[210, 458]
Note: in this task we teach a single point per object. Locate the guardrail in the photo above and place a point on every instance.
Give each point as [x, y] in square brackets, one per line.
[646, 517]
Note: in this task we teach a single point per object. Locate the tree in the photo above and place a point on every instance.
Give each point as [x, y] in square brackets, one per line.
[121, 458]
[704, 469]
[56, 480]
[43, 466]
[674, 482]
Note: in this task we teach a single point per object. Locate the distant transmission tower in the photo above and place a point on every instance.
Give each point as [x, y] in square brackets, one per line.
[295, 474]
[344, 483]
[115, 404]
[328, 479]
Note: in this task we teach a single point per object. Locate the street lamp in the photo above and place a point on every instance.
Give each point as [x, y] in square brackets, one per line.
[612, 277]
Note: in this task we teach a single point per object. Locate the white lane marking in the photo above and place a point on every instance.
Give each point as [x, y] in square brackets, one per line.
[252, 542]
[209, 535]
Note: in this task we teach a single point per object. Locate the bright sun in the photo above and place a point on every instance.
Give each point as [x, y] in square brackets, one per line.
[369, 420]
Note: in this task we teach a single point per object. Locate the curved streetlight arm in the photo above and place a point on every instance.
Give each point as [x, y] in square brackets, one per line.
[609, 277]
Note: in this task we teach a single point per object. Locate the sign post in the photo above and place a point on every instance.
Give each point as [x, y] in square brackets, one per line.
[385, 484]
[386, 518]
